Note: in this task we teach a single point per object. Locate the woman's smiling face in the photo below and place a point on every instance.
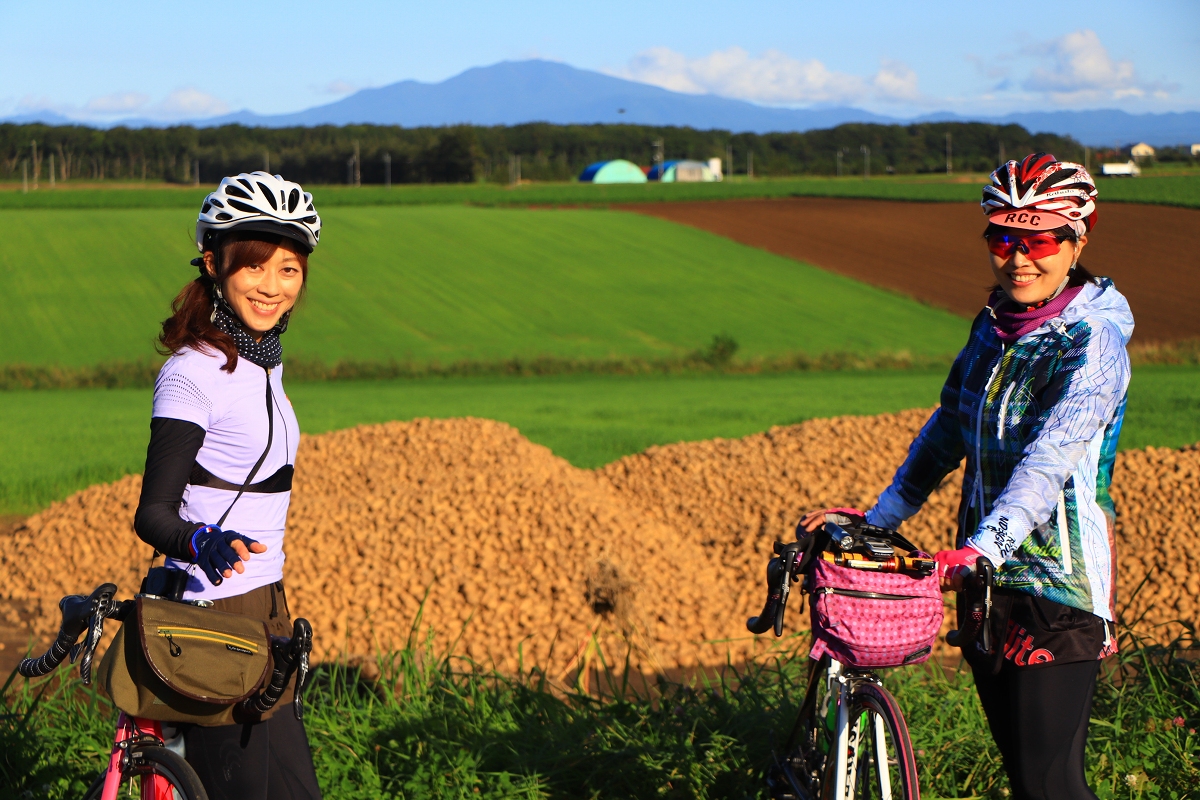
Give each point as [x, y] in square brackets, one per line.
[1027, 280]
[261, 293]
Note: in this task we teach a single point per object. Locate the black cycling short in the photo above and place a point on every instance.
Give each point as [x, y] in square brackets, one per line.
[1039, 719]
[268, 760]
[1037, 689]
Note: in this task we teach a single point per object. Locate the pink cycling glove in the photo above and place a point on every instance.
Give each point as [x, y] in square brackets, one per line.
[953, 565]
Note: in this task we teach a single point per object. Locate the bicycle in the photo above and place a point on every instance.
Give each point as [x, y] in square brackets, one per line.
[140, 754]
[850, 739]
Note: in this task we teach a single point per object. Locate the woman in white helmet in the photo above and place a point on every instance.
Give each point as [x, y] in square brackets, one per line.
[1034, 402]
[223, 440]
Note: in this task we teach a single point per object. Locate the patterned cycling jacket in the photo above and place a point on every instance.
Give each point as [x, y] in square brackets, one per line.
[1037, 421]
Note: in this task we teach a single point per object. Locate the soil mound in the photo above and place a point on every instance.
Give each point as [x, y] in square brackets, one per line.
[658, 557]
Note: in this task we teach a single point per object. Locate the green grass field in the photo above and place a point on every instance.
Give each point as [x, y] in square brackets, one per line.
[451, 282]
[53, 443]
[1182, 190]
[432, 726]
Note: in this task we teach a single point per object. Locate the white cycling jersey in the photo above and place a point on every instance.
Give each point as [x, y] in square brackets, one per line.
[232, 410]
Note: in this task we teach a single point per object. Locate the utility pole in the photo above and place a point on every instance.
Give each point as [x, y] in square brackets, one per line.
[37, 164]
[750, 164]
[866, 151]
[357, 167]
[949, 163]
[52, 170]
[387, 170]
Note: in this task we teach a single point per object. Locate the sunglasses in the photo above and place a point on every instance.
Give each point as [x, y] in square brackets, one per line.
[1039, 245]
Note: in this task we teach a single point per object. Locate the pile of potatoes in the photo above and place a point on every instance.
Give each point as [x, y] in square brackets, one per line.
[511, 556]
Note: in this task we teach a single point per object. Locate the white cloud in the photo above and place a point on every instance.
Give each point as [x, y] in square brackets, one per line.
[31, 103]
[189, 102]
[896, 81]
[182, 104]
[1078, 68]
[339, 87]
[773, 77]
[117, 103]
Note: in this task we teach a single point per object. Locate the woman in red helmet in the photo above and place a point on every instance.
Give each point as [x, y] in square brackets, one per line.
[1034, 402]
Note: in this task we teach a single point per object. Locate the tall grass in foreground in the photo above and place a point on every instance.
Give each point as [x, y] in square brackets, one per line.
[432, 726]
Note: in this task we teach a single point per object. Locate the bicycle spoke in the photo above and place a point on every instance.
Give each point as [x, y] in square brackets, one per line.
[887, 769]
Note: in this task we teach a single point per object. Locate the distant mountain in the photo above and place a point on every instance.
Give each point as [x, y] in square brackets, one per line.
[1099, 128]
[513, 92]
[44, 117]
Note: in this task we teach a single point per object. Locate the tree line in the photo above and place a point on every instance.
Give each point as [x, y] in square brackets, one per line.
[374, 154]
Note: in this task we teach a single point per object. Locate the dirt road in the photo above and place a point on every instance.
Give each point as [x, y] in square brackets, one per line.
[933, 252]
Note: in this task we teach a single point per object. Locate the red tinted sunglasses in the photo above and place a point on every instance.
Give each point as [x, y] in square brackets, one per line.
[1038, 245]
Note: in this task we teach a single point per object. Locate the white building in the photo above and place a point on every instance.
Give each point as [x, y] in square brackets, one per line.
[1141, 150]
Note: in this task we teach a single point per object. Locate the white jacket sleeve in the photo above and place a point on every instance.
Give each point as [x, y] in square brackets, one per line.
[1093, 391]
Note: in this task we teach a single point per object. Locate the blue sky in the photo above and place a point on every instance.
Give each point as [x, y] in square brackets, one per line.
[172, 60]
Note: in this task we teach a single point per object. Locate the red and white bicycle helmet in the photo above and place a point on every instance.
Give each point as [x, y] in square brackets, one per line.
[1041, 193]
[257, 201]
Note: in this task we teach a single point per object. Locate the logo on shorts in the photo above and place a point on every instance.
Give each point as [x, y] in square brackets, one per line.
[1018, 648]
[237, 649]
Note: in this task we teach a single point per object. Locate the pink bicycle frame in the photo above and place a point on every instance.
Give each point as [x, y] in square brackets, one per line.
[154, 787]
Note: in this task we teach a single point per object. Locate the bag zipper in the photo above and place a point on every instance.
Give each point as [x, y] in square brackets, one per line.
[171, 633]
[866, 595]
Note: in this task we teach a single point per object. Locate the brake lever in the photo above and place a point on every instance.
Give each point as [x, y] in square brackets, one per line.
[788, 558]
[979, 611]
[779, 584]
[987, 574]
[301, 640]
[102, 606]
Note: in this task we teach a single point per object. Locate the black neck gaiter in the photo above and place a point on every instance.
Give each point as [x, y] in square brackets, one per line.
[266, 353]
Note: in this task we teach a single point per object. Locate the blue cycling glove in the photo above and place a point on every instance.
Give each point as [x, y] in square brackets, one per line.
[211, 551]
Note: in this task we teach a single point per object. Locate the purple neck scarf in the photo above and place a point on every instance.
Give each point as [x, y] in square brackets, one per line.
[1011, 324]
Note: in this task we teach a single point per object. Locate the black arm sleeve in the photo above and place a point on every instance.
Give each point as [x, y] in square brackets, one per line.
[170, 455]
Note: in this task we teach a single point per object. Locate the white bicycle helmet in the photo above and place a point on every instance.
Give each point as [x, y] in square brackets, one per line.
[256, 201]
[1062, 191]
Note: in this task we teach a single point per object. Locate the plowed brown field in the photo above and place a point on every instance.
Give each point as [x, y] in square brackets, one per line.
[933, 251]
[660, 553]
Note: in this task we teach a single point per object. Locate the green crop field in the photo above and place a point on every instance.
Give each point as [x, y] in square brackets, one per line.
[55, 442]
[1181, 190]
[452, 282]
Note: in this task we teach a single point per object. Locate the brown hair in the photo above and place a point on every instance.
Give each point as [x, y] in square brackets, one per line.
[190, 323]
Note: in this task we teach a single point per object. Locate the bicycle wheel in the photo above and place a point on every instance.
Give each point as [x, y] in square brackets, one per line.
[798, 774]
[880, 764]
[154, 773]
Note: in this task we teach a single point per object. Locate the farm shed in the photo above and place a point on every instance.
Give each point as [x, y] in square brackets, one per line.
[683, 172]
[616, 171]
